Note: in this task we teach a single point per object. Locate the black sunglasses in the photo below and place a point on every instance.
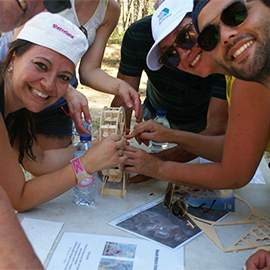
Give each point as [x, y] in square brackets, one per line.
[185, 39]
[176, 202]
[233, 15]
[84, 31]
[55, 6]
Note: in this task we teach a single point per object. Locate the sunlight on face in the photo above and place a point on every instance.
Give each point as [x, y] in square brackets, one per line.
[14, 14]
[194, 60]
[40, 77]
[242, 50]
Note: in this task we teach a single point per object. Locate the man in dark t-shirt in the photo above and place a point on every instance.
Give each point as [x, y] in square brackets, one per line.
[192, 103]
[185, 97]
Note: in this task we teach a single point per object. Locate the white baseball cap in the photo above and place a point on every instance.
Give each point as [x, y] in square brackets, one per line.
[57, 33]
[164, 20]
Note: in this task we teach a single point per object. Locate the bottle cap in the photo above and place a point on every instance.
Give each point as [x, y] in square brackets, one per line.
[85, 137]
[161, 113]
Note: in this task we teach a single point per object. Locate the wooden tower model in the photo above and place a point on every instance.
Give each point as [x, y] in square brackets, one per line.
[113, 121]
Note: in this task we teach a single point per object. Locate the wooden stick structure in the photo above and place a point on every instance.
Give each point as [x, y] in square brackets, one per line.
[257, 236]
[113, 121]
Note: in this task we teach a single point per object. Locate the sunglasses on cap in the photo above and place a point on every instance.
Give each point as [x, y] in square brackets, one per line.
[233, 15]
[185, 39]
[55, 6]
[176, 202]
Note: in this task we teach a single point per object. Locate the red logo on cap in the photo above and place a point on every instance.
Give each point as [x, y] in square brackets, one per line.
[55, 26]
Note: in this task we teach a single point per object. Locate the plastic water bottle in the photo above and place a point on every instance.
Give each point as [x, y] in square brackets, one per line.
[85, 192]
[155, 147]
[75, 133]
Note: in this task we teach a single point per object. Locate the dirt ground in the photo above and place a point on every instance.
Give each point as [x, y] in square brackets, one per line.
[98, 100]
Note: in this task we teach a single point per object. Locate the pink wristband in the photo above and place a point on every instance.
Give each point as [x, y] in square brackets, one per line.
[78, 169]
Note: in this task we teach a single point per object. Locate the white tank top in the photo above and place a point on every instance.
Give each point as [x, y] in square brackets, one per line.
[94, 22]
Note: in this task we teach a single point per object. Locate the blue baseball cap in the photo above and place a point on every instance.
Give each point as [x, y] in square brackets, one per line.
[198, 6]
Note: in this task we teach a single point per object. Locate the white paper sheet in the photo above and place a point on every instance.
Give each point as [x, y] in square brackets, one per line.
[257, 178]
[41, 234]
[97, 252]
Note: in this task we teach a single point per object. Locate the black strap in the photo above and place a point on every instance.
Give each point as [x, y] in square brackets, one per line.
[2, 102]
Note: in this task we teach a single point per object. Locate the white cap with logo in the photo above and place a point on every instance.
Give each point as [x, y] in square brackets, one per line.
[57, 33]
[164, 20]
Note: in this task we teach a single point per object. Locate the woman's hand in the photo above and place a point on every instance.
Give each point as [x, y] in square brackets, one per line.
[132, 99]
[104, 154]
[150, 130]
[78, 106]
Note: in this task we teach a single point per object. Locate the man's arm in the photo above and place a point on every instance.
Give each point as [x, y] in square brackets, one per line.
[16, 251]
[117, 101]
[217, 118]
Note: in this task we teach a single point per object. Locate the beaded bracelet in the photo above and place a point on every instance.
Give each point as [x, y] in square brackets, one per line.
[77, 166]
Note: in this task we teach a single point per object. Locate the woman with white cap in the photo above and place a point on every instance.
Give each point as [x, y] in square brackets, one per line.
[97, 18]
[37, 71]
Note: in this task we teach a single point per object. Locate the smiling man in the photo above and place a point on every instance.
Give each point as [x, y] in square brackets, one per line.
[14, 13]
[237, 35]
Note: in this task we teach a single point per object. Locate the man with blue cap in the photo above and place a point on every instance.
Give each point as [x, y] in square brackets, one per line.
[237, 36]
[239, 42]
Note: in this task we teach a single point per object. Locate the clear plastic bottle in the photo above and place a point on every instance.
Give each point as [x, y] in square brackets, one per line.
[155, 147]
[85, 192]
[75, 133]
